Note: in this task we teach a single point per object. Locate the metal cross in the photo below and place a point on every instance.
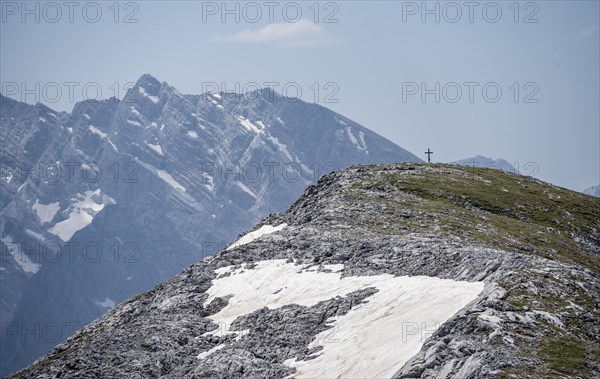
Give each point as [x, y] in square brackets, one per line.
[429, 152]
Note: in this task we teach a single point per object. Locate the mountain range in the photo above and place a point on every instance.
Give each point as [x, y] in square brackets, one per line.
[377, 271]
[119, 195]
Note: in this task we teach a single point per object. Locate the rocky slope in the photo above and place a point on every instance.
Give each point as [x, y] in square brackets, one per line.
[506, 267]
[120, 195]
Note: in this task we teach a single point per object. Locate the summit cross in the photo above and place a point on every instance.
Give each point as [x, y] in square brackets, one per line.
[429, 152]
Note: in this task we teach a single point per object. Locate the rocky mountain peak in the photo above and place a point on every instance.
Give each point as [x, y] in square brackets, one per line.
[164, 178]
[397, 270]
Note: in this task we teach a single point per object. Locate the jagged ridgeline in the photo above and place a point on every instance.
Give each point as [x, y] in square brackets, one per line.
[117, 196]
[400, 270]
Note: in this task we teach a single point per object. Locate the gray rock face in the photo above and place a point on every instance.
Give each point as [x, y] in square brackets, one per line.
[537, 316]
[117, 196]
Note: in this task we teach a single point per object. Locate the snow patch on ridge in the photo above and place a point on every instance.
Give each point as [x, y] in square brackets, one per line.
[113, 146]
[248, 125]
[156, 148]
[20, 257]
[133, 122]
[143, 92]
[34, 234]
[81, 213]
[374, 339]
[45, 212]
[97, 131]
[165, 176]
[208, 181]
[360, 146]
[135, 111]
[284, 149]
[245, 188]
[262, 231]
[162, 174]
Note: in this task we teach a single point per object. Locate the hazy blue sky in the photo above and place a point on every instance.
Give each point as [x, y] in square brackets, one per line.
[373, 54]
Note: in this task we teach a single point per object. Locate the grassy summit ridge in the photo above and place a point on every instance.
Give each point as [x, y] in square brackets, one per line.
[497, 209]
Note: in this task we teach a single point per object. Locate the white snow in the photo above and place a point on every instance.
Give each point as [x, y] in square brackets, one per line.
[217, 96]
[153, 99]
[133, 122]
[249, 237]
[280, 120]
[113, 145]
[8, 178]
[45, 212]
[156, 148]
[361, 136]
[87, 116]
[374, 339]
[20, 257]
[70, 130]
[107, 303]
[245, 188]
[135, 111]
[220, 106]
[169, 180]
[249, 125]
[208, 181]
[192, 134]
[81, 213]
[97, 131]
[283, 148]
[162, 174]
[34, 234]
[354, 140]
[42, 119]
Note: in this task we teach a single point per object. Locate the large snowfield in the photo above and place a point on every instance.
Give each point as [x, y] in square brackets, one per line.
[373, 339]
[81, 213]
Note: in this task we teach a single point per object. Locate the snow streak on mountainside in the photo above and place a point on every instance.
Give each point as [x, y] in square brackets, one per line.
[387, 271]
[117, 196]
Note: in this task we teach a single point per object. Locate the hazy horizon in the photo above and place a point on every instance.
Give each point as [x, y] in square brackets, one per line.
[393, 67]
